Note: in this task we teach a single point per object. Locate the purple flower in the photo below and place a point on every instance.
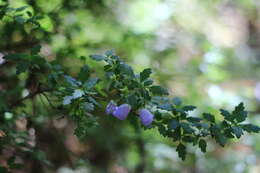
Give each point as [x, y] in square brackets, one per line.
[122, 111]
[146, 117]
[111, 107]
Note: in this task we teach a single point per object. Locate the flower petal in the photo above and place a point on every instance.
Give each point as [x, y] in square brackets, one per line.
[146, 117]
[111, 107]
[122, 111]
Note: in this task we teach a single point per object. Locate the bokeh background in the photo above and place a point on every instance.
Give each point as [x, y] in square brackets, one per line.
[206, 52]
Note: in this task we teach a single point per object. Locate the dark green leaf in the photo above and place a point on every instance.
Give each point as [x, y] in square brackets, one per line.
[97, 57]
[21, 8]
[132, 100]
[203, 145]
[36, 49]
[126, 70]
[90, 83]
[239, 113]
[145, 74]
[189, 108]
[250, 128]
[193, 119]
[84, 73]
[227, 115]
[209, 117]
[174, 124]
[158, 90]
[181, 149]
[187, 127]
[177, 101]
[238, 131]
[148, 82]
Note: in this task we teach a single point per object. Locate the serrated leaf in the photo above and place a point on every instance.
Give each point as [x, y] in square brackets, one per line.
[202, 145]
[209, 117]
[181, 149]
[193, 119]
[97, 57]
[158, 90]
[145, 74]
[189, 108]
[187, 127]
[238, 131]
[227, 115]
[241, 116]
[250, 128]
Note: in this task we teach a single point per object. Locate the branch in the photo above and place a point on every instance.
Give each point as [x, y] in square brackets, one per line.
[31, 95]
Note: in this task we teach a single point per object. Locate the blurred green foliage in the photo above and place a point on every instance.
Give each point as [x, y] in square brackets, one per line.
[206, 52]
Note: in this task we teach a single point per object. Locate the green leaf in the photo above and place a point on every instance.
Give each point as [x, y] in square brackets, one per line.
[77, 93]
[189, 108]
[126, 70]
[97, 57]
[174, 124]
[19, 19]
[239, 113]
[227, 115]
[84, 73]
[145, 74]
[90, 83]
[110, 52]
[194, 119]
[158, 90]
[221, 139]
[21, 8]
[209, 117]
[36, 49]
[22, 67]
[241, 116]
[166, 106]
[3, 170]
[177, 101]
[132, 100]
[70, 80]
[89, 106]
[181, 149]
[148, 82]
[250, 128]
[238, 131]
[187, 127]
[203, 145]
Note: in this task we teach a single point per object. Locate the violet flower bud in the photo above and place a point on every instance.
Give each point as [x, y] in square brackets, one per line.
[122, 111]
[146, 116]
[111, 107]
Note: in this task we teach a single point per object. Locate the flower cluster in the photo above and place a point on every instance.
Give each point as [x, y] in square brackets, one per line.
[121, 112]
